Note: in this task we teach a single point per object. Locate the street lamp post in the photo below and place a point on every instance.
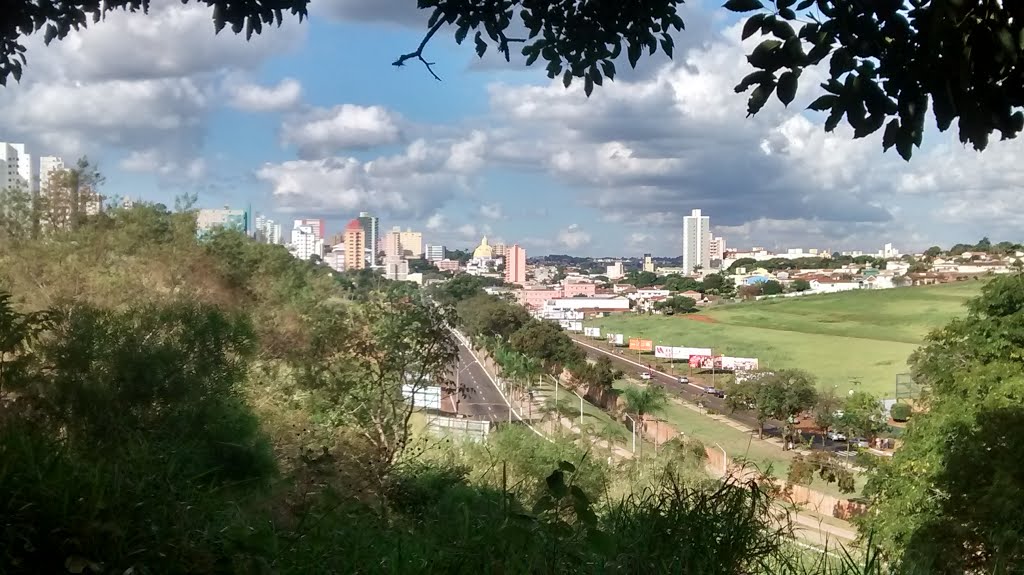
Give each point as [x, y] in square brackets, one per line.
[725, 460]
[581, 408]
[634, 430]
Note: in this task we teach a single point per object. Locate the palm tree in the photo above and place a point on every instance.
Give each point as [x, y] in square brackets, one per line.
[645, 400]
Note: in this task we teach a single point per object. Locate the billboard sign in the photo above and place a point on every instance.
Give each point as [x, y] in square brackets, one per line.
[592, 331]
[616, 339]
[637, 344]
[739, 363]
[664, 351]
[428, 397]
[571, 325]
[686, 352]
[705, 362]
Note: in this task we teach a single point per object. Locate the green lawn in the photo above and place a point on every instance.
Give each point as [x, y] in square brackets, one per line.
[857, 339]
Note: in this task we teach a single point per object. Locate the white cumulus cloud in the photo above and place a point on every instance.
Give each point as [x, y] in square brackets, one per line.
[255, 98]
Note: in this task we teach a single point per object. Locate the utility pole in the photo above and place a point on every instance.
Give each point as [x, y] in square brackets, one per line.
[634, 431]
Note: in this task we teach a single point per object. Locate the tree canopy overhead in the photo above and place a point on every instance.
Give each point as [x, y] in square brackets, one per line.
[890, 62]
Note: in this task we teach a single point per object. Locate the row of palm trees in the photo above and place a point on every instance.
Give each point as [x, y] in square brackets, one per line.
[524, 373]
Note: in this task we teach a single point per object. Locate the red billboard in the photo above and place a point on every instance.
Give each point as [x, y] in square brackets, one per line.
[637, 344]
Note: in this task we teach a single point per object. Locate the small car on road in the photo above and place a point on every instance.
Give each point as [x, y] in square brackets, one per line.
[711, 390]
[836, 436]
[684, 379]
[645, 376]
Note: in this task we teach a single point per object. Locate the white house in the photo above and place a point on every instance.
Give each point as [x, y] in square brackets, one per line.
[833, 286]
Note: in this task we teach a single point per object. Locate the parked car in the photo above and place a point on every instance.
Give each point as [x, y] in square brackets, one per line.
[684, 379]
[645, 375]
[836, 436]
[860, 442]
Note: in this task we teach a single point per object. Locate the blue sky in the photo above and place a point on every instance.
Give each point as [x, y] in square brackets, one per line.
[311, 120]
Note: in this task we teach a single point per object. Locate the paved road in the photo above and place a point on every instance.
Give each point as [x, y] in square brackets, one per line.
[479, 398]
[692, 392]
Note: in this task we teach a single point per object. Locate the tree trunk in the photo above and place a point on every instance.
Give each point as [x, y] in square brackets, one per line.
[760, 430]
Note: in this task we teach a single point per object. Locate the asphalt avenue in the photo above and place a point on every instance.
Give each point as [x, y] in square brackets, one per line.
[479, 397]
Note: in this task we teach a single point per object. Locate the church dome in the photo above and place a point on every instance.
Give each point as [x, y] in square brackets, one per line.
[483, 251]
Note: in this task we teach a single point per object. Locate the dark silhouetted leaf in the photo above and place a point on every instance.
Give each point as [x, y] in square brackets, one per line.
[758, 98]
[786, 89]
[481, 46]
[759, 77]
[889, 136]
[753, 24]
[743, 5]
[823, 103]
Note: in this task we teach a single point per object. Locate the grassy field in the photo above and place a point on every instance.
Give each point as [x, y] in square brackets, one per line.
[737, 444]
[857, 339]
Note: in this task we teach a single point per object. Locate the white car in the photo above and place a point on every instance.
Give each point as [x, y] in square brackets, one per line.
[836, 436]
[645, 376]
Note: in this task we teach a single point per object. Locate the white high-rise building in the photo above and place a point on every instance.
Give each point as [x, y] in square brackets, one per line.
[267, 230]
[47, 166]
[16, 167]
[305, 243]
[717, 248]
[696, 242]
[435, 252]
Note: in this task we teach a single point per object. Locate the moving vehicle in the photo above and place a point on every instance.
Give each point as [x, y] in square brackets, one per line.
[645, 375]
[836, 436]
[684, 379]
[711, 390]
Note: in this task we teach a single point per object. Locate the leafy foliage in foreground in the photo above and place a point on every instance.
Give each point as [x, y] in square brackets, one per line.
[893, 61]
[951, 499]
[57, 20]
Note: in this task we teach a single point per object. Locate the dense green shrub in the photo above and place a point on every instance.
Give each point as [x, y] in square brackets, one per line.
[900, 412]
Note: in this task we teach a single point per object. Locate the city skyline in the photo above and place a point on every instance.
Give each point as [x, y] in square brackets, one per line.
[494, 149]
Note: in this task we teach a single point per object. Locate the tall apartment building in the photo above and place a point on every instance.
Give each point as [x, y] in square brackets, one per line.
[317, 225]
[267, 230]
[648, 263]
[696, 242]
[355, 246]
[499, 250]
[515, 265]
[412, 244]
[371, 233]
[16, 167]
[207, 220]
[716, 248]
[435, 252]
[305, 244]
[48, 166]
[391, 242]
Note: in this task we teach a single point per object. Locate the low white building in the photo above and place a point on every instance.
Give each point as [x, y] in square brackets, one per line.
[587, 303]
[834, 286]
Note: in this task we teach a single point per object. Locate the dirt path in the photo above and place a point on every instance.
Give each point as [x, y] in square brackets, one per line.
[700, 317]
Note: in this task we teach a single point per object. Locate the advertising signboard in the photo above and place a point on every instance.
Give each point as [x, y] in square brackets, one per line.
[705, 362]
[592, 331]
[686, 352]
[428, 397]
[664, 351]
[575, 326]
[617, 339]
[739, 363]
[637, 344]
